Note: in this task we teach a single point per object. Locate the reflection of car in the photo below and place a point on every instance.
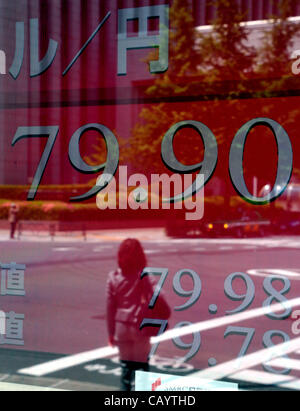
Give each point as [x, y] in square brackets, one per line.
[247, 226]
[179, 227]
[240, 224]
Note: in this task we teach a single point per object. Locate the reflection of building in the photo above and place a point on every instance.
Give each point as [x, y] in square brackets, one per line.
[253, 9]
[91, 92]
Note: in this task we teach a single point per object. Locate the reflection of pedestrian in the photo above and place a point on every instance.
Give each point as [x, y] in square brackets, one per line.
[13, 219]
[128, 297]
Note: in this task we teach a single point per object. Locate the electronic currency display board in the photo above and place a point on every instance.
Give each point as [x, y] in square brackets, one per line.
[150, 201]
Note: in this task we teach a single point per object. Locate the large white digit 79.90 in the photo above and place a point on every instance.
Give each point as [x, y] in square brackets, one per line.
[109, 167]
[285, 160]
[163, 273]
[207, 166]
[38, 132]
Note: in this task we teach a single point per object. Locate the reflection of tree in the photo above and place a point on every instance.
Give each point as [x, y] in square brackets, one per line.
[214, 72]
[183, 54]
[273, 67]
[201, 65]
[214, 68]
[277, 44]
[225, 53]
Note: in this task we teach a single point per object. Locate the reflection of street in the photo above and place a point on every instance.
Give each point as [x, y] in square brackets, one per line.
[160, 363]
[94, 375]
[64, 306]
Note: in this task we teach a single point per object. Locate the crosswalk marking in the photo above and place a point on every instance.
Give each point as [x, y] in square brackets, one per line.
[231, 368]
[69, 361]
[285, 363]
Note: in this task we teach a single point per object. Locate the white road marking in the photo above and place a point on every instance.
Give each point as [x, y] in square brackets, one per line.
[64, 249]
[234, 367]
[5, 386]
[285, 363]
[101, 248]
[69, 361]
[222, 321]
[59, 383]
[81, 358]
[4, 377]
[261, 377]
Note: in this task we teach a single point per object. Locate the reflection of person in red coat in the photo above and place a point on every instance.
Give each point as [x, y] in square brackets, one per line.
[128, 297]
[13, 219]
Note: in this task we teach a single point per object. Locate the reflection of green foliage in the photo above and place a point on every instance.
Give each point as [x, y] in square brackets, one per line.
[99, 153]
[182, 54]
[224, 52]
[197, 63]
[214, 66]
[154, 122]
[215, 63]
[277, 43]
